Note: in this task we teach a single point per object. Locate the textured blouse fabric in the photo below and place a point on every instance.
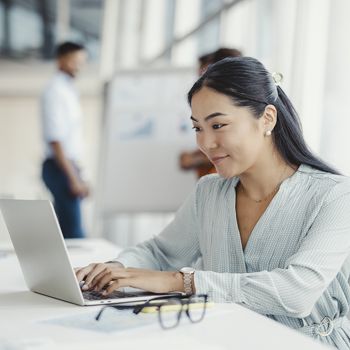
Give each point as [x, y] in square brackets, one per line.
[295, 267]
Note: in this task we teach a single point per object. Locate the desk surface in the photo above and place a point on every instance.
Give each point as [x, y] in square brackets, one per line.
[226, 326]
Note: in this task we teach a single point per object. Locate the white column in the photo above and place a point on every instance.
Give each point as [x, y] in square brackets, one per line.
[335, 142]
[275, 35]
[309, 61]
[63, 20]
[130, 35]
[239, 27]
[109, 38]
[153, 37]
[187, 17]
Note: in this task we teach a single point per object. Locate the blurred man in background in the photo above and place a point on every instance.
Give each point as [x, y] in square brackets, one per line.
[196, 160]
[62, 133]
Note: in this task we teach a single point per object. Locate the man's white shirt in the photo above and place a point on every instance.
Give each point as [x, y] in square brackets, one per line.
[62, 117]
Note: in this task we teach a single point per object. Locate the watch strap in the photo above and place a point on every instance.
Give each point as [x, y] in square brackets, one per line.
[188, 283]
[187, 273]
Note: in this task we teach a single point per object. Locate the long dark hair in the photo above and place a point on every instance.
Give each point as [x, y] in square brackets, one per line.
[247, 82]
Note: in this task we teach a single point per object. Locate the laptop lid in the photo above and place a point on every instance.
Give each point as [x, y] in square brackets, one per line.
[40, 248]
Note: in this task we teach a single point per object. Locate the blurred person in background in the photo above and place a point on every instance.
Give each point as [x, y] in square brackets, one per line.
[62, 133]
[196, 160]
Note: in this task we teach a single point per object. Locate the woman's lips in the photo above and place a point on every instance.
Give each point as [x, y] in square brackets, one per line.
[217, 160]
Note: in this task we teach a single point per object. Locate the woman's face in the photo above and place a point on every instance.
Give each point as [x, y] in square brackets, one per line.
[230, 136]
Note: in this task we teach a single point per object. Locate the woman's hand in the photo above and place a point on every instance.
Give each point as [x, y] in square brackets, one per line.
[88, 273]
[112, 276]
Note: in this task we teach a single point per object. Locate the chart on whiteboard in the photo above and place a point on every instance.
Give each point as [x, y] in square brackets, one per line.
[164, 114]
[155, 126]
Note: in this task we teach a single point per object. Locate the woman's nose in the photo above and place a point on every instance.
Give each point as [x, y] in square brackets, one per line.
[207, 142]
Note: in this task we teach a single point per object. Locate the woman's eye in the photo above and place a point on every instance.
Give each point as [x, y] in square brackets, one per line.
[218, 126]
[196, 128]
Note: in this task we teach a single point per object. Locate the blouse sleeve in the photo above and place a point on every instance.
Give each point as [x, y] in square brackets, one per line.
[293, 290]
[175, 247]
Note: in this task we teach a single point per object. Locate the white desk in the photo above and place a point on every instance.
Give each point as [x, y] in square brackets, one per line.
[226, 326]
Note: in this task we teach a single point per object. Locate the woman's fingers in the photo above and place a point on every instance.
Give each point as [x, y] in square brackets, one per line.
[110, 276]
[95, 270]
[97, 279]
[82, 272]
[115, 268]
[92, 273]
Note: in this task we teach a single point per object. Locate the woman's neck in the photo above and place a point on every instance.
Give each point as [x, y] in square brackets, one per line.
[265, 177]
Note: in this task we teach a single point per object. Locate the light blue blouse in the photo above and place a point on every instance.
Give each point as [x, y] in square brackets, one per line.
[295, 267]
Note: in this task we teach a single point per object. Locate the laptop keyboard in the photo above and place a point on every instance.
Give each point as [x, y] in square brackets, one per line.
[91, 295]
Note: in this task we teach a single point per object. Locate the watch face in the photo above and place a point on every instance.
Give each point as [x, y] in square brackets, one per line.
[188, 270]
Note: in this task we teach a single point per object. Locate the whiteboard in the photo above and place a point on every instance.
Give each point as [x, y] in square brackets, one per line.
[146, 126]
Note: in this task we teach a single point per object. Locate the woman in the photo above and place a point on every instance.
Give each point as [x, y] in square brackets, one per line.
[272, 229]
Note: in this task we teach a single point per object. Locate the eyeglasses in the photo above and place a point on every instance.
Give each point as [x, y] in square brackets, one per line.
[170, 309]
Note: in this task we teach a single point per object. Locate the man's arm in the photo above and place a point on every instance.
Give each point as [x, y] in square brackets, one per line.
[193, 160]
[77, 186]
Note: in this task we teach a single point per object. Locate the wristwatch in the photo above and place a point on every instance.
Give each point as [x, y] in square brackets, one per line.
[187, 273]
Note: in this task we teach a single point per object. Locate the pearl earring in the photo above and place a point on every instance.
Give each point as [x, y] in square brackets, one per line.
[268, 133]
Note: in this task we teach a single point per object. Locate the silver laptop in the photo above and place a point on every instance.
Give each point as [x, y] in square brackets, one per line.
[43, 256]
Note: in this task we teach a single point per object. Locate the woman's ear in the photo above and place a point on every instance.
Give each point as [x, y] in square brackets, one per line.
[269, 117]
